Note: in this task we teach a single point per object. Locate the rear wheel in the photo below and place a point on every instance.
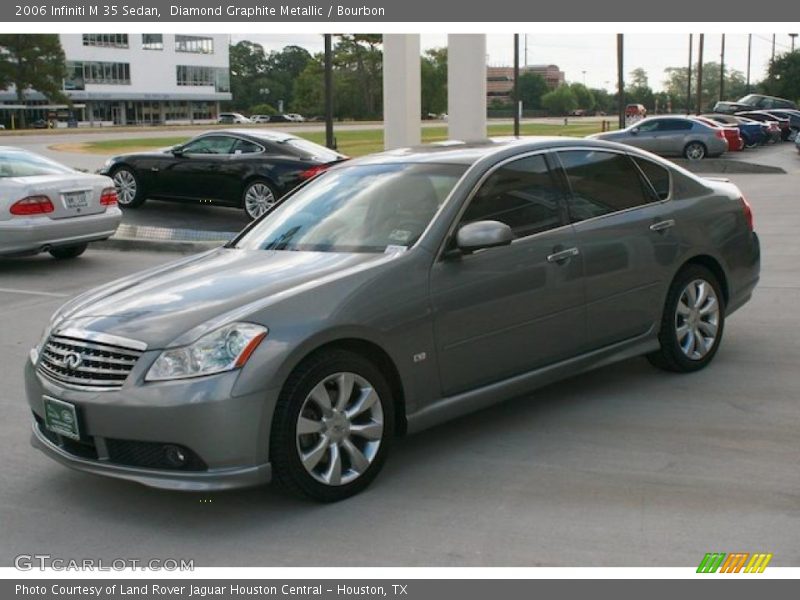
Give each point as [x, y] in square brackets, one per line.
[694, 151]
[750, 142]
[692, 323]
[332, 426]
[129, 191]
[66, 252]
[258, 198]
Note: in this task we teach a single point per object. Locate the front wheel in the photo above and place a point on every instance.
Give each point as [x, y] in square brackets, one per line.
[692, 323]
[694, 151]
[332, 426]
[67, 252]
[258, 198]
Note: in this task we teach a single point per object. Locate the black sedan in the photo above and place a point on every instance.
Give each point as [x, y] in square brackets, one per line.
[764, 117]
[249, 169]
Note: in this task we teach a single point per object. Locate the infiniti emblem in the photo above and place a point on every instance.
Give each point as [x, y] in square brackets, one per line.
[71, 361]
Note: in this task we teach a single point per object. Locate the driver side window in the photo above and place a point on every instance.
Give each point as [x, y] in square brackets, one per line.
[523, 194]
[211, 144]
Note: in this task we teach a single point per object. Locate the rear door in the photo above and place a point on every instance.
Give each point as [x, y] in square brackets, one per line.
[627, 237]
[504, 311]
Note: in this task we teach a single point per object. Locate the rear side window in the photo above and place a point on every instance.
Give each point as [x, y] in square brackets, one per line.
[657, 175]
[674, 125]
[246, 147]
[602, 183]
[523, 194]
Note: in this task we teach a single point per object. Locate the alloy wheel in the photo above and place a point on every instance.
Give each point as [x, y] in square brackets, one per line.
[125, 183]
[695, 151]
[339, 429]
[258, 199]
[697, 319]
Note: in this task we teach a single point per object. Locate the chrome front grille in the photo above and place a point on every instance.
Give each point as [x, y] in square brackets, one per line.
[84, 363]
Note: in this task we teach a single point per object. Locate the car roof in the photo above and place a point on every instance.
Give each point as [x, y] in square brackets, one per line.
[470, 152]
[267, 135]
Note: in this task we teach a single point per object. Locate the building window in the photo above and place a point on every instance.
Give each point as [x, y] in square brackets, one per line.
[152, 41]
[191, 75]
[79, 73]
[194, 43]
[106, 40]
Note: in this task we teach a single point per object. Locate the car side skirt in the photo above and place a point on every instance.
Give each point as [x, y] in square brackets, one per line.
[483, 397]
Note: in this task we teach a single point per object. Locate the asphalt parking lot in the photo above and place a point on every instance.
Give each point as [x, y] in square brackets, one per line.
[625, 466]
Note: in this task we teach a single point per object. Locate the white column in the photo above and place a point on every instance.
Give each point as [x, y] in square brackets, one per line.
[466, 86]
[401, 90]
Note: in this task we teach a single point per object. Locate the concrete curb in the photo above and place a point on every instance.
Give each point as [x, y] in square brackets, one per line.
[724, 165]
[130, 244]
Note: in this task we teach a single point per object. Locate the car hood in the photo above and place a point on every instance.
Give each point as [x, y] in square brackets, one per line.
[175, 304]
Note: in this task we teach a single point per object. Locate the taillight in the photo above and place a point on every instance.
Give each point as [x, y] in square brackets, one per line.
[748, 212]
[720, 133]
[32, 205]
[109, 197]
[313, 171]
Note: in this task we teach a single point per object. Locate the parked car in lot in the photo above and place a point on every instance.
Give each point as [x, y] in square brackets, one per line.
[731, 133]
[389, 294]
[784, 127]
[794, 120]
[753, 102]
[250, 169]
[48, 207]
[259, 118]
[754, 133]
[231, 118]
[635, 111]
[280, 119]
[296, 117]
[671, 136]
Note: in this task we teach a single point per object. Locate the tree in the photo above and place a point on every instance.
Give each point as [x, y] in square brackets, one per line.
[433, 74]
[359, 83]
[783, 77]
[639, 90]
[248, 68]
[262, 109]
[603, 101]
[560, 101]
[282, 70]
[676, 80]
[32, 62]
[583, 96]
[532, 87]
[639, 78]
[308, 89]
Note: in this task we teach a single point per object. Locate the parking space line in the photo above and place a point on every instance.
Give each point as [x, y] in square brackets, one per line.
[32, 293]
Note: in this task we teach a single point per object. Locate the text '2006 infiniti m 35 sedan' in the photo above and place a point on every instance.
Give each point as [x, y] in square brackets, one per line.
[386, 295]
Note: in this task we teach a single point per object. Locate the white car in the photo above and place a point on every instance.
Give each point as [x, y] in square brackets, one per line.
[259, 119]
[48, 207]
[295, 117]
[232, 118]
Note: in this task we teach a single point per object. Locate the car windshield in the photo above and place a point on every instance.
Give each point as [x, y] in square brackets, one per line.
[26, 164]
[359, 208]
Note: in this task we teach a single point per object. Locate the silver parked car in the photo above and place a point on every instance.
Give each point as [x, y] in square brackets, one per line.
[671, 136]
[386, 295]
[48, 207]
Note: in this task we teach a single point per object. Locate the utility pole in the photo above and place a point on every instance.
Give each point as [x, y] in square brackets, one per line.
[689, 78]
[722, 70]
[749, 53]
[620, 81]
[526, 49]
[700, 74]
[773, 47]
[793, 36]
[516, 85]
[329, 141]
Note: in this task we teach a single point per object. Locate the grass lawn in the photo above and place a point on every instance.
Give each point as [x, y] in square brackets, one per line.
[350, 142]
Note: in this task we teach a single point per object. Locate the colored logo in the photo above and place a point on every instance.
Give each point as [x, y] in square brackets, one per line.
[737, 562]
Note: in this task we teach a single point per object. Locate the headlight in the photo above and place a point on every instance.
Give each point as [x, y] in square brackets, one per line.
[221, 350]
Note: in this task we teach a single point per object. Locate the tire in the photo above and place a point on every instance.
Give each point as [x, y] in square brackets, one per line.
[129, 190]
[679, 330]
[695, 151]
[258, 198]
[67, 252]
[305, 463]
[750, 142]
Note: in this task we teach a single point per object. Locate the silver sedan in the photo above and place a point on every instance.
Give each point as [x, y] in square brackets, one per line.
[671, 136]
[48, 207]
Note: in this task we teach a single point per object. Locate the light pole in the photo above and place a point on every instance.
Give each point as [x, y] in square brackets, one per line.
[584, 78]
[516, 85]
[749, 52]
[620, 80]
[329, 141]
[689, 78]
[722, 70]
[700, 74]
[792, 35]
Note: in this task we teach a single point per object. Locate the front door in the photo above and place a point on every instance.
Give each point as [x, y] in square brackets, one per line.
[504, 311]
[196, 172]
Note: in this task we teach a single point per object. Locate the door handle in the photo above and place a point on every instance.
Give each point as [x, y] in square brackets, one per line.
[563, 255]
[662, 225]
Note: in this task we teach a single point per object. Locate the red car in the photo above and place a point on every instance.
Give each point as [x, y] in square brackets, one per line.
[732, 134]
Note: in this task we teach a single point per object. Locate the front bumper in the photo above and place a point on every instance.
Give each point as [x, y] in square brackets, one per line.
[227, 433]
[35, 234]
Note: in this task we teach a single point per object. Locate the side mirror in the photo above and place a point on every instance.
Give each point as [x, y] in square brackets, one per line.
[483, 234]
[177, 151]
[635, 130]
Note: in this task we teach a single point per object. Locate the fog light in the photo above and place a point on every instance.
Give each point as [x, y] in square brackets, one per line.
[174, 456]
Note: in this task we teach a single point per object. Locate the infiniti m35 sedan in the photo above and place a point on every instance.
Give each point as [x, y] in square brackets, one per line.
[386, 295]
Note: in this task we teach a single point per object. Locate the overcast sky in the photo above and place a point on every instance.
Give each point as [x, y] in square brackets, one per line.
[595, 54]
